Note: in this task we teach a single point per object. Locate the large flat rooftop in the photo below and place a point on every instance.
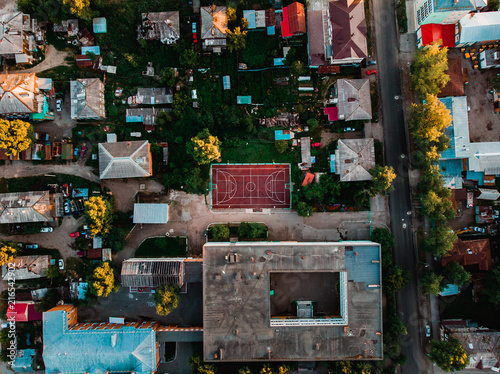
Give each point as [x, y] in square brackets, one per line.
[242, 280]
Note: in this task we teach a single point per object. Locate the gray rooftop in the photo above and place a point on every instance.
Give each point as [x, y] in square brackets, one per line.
[354, 158]
[162, 26]
[148, 115]
[19, 94]
[152, 272]
[485, 157]
[213, 25]
[354, 99]
[236, 305]
[479, 27]
[124, 160]
[28, 267]
[13, 27]
[23, 207]
[153, 96]
[150, 213]
[482, 347]
[87, 99]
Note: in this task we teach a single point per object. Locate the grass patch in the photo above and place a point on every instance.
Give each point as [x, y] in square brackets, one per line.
[4, 186]
[254, 151]
[40, 183]
[162, 247]
[401, 14]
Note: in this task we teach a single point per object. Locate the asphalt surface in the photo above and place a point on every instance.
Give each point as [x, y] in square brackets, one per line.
[396, 154]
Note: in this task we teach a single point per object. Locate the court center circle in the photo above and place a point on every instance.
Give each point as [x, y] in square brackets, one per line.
[251, 186]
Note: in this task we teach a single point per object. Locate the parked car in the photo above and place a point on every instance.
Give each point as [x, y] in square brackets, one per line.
[58, 105]
[193, 28]
[75, 234]
[31, 246]
[482, 230]
[315, 145]
[427, 331]
[66, 207]
[195, 38]
[82, 152]
[349, 129]
[65, 190]
[371, 62]
[60, 262]
[371, 72]
[81, 253]
[46, 229]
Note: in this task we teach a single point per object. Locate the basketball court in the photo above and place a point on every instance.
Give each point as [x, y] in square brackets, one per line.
[264, 186]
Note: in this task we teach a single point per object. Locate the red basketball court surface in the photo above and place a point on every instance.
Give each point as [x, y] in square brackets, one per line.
[250, 186]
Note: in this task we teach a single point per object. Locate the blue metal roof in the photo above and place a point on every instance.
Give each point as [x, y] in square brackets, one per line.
[279, 61]
[100, 26]
[476, 176]
[451, 168]
[94, 49]
[244, 99]
[360, 266]
[80, 192]
[250, 17]
[450, 290]
[134, 119]
[226, 81]
[96, 351]
[24, 361]
[271, 30]
[279, 135]
[332, 163]
[447, 5]
[458, 131]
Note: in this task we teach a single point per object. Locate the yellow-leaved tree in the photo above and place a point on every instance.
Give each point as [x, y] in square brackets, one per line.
[428, 70]
[204, 147]
[429, 120]
[382, 177]
[236, 39]
[80, 8]
[7, 253]
[103, 281]
[15, 136]
[98, 215]
[167, 299]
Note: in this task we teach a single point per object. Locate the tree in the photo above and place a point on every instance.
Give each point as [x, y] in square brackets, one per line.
[166, 299]
[456, 274]
[199, 367]
[98, 214]
[431, 283]
[189, 58]
[440, 241]
[395, 278]
[50, 300]
[281, 146]
[384, 237]
[102, 281]
[167, 76]
[439, 208]
[297, 68]
[231, 14]
[429, 120]
[491, 289]
[180, 104]
[7, 254]
[304, 210]
[449, 355]
[252, 230]
[312, 123]
[428, 70]
[116, 239]
[236, 39]
[382, 179]
[245, 370]
[52, 273]
[80, 8]
[220, 232]
[493, 5]
[431, 179]
[204, 147]
[15, 136]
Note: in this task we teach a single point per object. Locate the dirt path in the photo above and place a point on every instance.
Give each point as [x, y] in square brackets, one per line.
[19, 169]
[124, 191]
[53, 58]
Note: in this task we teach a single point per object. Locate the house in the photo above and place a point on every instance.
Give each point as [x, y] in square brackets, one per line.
[442, 11]
[72, 347]
[488, 194]
[354, 100]
[33, 206]
[315, 320]
[458, 78]
[94, 49]
[25, 361]
[256, 19]
[151, 96]
[85, 38]
[152, 272]
[23, 311]
[470, 253]
[485, 158]
[22, 97]
[444, 34]
[20, 37]
[125, 160]
[354, 158]
[70, 27]
[348, 21]
[452, 160]
[213, 27]
[162, 26]
[319, 33]
[28, 267]
[151, 213]
[294, 20]
[87, 99]
[305, 153]
[100, 25]
[146, 116]
[481, 344]
[484, 214]
[477, 28]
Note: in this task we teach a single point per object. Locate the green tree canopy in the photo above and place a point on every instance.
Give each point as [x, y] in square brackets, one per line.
[252, 230]
[282, 145]
[449, 355]
[431, 283]
[7, 254]
[395, 278]
[384, 237]
[204, 147]
[440, 241]
[429, 120]
[102, 282]
[382, 177]
[49, 301]
[297, 68]
[189, 58]
[80, 8]
[491, 289]
[437, 205]
[456, 274]
[15, 136]
[236, 39]
[199, 367]
[180, 104]
[167, 76]
[98, 215]
[304, 209]
[428, 70]
[220, 232]
[167, 299]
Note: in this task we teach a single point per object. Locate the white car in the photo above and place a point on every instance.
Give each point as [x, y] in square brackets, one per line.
[46, 229]
[427, 331]
[61, 264]
[58, 105]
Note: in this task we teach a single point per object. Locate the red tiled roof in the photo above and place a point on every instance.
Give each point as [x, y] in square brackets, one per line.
[285, 28]
[333, 113]
[455, 87]
[308, 179]
[328, 69]
[270, 17]
[94, 253]
[433, 32]
[297, 18]
[470, 252]
[83, 60]
[23, 312]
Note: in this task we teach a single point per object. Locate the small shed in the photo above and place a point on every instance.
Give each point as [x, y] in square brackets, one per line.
[226, 80]
[67, 151]
[488, 194]
[151, 213]
[283, 135]
[308, 179]
[244, 100]
[100, 26]
[249, 15]
[94, 49]
[333, 113]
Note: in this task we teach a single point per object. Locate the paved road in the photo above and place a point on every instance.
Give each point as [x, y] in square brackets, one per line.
[19, 169]
[387, 36]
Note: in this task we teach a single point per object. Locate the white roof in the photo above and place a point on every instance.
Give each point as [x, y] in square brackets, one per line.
[459, 130]
[488, 194]
[150, 213]
[485, 157]
[478, 27]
